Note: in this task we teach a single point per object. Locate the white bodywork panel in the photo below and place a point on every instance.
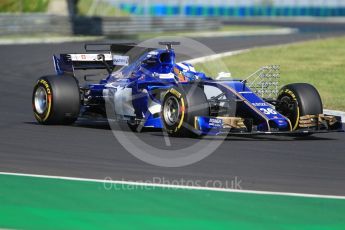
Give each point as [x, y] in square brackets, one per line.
[121, 99]
[123, 102]
[154, 107]
[166, 76]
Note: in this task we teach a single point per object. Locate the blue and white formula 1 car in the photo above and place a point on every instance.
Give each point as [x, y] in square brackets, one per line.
[145, 87]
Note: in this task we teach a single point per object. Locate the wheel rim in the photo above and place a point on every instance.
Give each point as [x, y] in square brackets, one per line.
[40, 100]
[288, 108]
[171, 110]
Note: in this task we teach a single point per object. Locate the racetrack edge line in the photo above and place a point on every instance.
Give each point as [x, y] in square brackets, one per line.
[109, 180]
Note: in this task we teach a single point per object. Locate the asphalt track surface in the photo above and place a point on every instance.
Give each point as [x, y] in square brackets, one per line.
[89, 149]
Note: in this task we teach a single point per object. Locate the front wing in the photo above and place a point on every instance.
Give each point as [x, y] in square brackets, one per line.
[241, 126]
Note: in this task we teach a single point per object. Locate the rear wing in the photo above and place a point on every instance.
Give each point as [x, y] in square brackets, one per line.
[68, 63]
[98, 56]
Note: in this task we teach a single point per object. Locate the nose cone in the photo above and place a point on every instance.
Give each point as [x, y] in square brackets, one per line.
[281, 124]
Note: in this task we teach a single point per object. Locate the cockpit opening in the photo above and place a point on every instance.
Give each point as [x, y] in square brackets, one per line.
[166, 58]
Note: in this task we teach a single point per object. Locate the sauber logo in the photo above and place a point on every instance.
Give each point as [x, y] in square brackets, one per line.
[259, 104]
[120, 60]
[214, 122]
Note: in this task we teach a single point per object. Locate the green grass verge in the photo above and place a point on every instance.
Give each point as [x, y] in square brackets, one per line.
[38, 203]
[13, 6]
[101, 8]
[318, 62]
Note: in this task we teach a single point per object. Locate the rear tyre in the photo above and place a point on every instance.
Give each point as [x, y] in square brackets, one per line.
[299, 99]
[56, 100]
[180, 107]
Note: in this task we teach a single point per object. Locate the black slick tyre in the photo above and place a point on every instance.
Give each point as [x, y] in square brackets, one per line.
[298, 99]
[56, 100]
[180, 106]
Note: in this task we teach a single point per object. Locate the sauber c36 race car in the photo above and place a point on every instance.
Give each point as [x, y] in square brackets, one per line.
[146, 87]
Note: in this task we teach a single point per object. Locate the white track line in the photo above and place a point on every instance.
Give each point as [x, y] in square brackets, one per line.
[216, 56]
[281, 31]
[142, 184]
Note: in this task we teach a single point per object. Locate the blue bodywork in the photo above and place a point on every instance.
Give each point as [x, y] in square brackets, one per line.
[136, 90]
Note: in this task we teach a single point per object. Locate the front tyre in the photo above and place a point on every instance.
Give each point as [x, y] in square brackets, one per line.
[297, 100]
[180, 107]
[56, 100]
